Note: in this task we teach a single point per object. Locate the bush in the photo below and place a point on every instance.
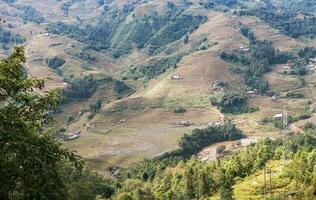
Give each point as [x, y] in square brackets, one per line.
[55, 62]
[179, 110]
[81, 87]
[294, 95]
[232, 102]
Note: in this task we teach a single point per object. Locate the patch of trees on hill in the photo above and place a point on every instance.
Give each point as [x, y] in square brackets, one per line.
[28, 13]
[9, 1]
[174, 30]
[151, 69]
[96, 37]
[55, 62]
[81, 88]
[293, 18]
[67, 4]
[120, 36]
[256, 62]
[289, 23]
[6, 37]
[214, 3]
[234, 102]
[200, 138]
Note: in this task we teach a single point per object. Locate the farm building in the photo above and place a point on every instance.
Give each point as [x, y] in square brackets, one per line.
[278, 116]
[252, 93]
[274, 98]
[72, 136]
[176, 77]
[214, 124]
[184, 123]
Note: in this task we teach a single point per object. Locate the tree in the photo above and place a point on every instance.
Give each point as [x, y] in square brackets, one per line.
[232, 102]
[29, 157]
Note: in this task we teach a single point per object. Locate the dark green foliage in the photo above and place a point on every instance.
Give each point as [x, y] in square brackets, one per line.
[151, 69]
[234, 103]
[30, 158]
[95, 107]
[81, 88]
[84, 56]
[256, 62]
[67, 4]
[96, 37]
[9, 1]
[288, 22]
[298, 68]
[121, 87]
[174, 30]
[29, 13]
[189, 145]
[309, 125]
[214, 3]
[86, 185]
[179, 110]
[294, 95]
[245, 31]
[6, 37]
[55, 62]
[307, 52]
[200, 138]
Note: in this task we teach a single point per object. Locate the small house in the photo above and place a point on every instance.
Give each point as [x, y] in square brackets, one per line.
[274, 98]
[215, 124]
[286, 67]
[184, 123]
[278, 116]
[72, 136]
[176, 77]
[252, 93]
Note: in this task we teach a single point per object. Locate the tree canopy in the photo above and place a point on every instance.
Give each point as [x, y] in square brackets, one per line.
[30, 157]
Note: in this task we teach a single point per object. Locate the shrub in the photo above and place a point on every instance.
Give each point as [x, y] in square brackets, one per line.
[55, 62]
[180, 110]
[81, 87]
[294, 95]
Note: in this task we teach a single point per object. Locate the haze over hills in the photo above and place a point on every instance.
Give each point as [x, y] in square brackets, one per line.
[156, 79]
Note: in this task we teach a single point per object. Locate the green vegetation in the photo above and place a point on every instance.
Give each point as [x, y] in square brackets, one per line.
[256, 62]
[96, 37]
[95, 107]
[174, 30]
[28, 13]
[234, 103]
[67, 4]
[179, 110]
[288, 20]
[81, 88]
[29, 157]
[122, 88]
[120, 35]
[294, 95]
[217, 3]
[7, 38]
[151, 69]
[83, 55]
[55, 62]
[9, 1]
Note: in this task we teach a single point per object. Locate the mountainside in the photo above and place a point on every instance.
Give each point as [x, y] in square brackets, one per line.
[150, 79]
